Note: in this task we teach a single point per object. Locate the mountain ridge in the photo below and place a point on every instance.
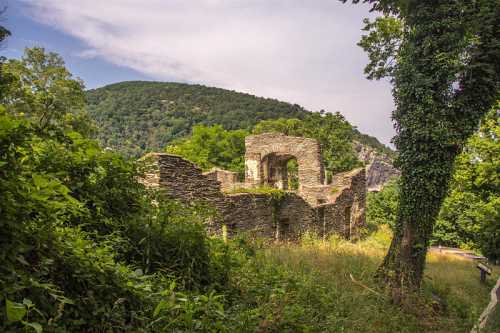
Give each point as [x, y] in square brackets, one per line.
[136, 117]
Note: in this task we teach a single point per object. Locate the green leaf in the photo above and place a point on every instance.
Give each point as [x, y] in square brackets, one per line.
[27, 302]
[36, 326]
[161, 305]
[15, 311]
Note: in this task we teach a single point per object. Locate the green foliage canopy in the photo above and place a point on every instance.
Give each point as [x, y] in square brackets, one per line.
[84, 245]
[138, 117]
[210, 147]
[470, 213]
[44, 89]
[381, 207]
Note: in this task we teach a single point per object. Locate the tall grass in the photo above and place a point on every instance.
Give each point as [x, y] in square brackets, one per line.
[328, 286]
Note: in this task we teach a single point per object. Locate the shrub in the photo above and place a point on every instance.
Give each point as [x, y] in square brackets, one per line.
[381, 206]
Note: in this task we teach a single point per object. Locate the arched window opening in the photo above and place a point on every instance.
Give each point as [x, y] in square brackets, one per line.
[280, 171]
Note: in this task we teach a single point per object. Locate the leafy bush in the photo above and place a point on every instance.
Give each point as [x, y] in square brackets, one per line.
[78, 260]
[85, 246]
[210, 147]
[469, 215]
[381, 206]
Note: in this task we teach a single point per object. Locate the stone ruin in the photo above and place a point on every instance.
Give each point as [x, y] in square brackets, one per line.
[324, 209]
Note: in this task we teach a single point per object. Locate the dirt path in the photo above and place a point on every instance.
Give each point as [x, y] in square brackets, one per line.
[456, 252]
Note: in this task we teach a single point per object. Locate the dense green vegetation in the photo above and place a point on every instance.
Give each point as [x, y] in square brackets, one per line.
[83, 246]
[138, 117]
[382, 206]
[470, 213]
[210, 147]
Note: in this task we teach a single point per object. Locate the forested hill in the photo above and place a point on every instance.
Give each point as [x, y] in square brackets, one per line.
[139, 116]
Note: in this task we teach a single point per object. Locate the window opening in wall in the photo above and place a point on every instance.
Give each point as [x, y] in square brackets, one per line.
[283, 229]
[321, 220]
[280, 171]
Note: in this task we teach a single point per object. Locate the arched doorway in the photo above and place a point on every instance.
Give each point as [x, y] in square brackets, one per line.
[280, 171]
[268, 161]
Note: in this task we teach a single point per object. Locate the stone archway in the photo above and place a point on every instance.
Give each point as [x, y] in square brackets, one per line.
[274, 170]
[267, 154]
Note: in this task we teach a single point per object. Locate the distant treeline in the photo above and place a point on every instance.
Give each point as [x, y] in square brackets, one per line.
[138, 116]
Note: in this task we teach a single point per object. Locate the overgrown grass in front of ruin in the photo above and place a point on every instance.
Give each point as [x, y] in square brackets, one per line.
[328, 286]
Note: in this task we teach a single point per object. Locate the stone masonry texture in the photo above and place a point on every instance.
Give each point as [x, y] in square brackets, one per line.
[336, 208]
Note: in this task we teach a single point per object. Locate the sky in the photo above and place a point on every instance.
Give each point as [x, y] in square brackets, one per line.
[297, 51]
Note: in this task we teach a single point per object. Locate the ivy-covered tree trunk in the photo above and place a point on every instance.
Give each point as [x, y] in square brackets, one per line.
[442, 57]
[404, 263]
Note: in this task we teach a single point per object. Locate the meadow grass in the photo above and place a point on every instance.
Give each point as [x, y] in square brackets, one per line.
[328, 286]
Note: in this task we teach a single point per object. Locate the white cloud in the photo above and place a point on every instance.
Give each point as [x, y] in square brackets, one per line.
[299, 51]
[87, 54]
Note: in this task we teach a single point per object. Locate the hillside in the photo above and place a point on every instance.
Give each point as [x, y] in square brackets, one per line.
[139, 116]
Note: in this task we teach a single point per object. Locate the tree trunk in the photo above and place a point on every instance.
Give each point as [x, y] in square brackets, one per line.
[403, 267]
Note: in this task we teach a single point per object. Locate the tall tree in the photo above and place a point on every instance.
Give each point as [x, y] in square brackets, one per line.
[44, 89]
[4, 32]
[442, 59]
[210, 147]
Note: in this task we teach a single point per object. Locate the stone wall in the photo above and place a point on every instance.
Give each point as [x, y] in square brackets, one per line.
[228, 180]
[184, 181]
[352, 184]
[294, 217]
[342, 204]
[335, 208]
[249, 213]
[259, 215]
[254, 213]
[268, 152]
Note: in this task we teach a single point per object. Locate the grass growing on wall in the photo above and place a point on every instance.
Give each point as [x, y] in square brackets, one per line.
[272, 191]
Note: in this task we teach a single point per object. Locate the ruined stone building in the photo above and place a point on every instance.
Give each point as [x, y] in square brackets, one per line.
[338, 207]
